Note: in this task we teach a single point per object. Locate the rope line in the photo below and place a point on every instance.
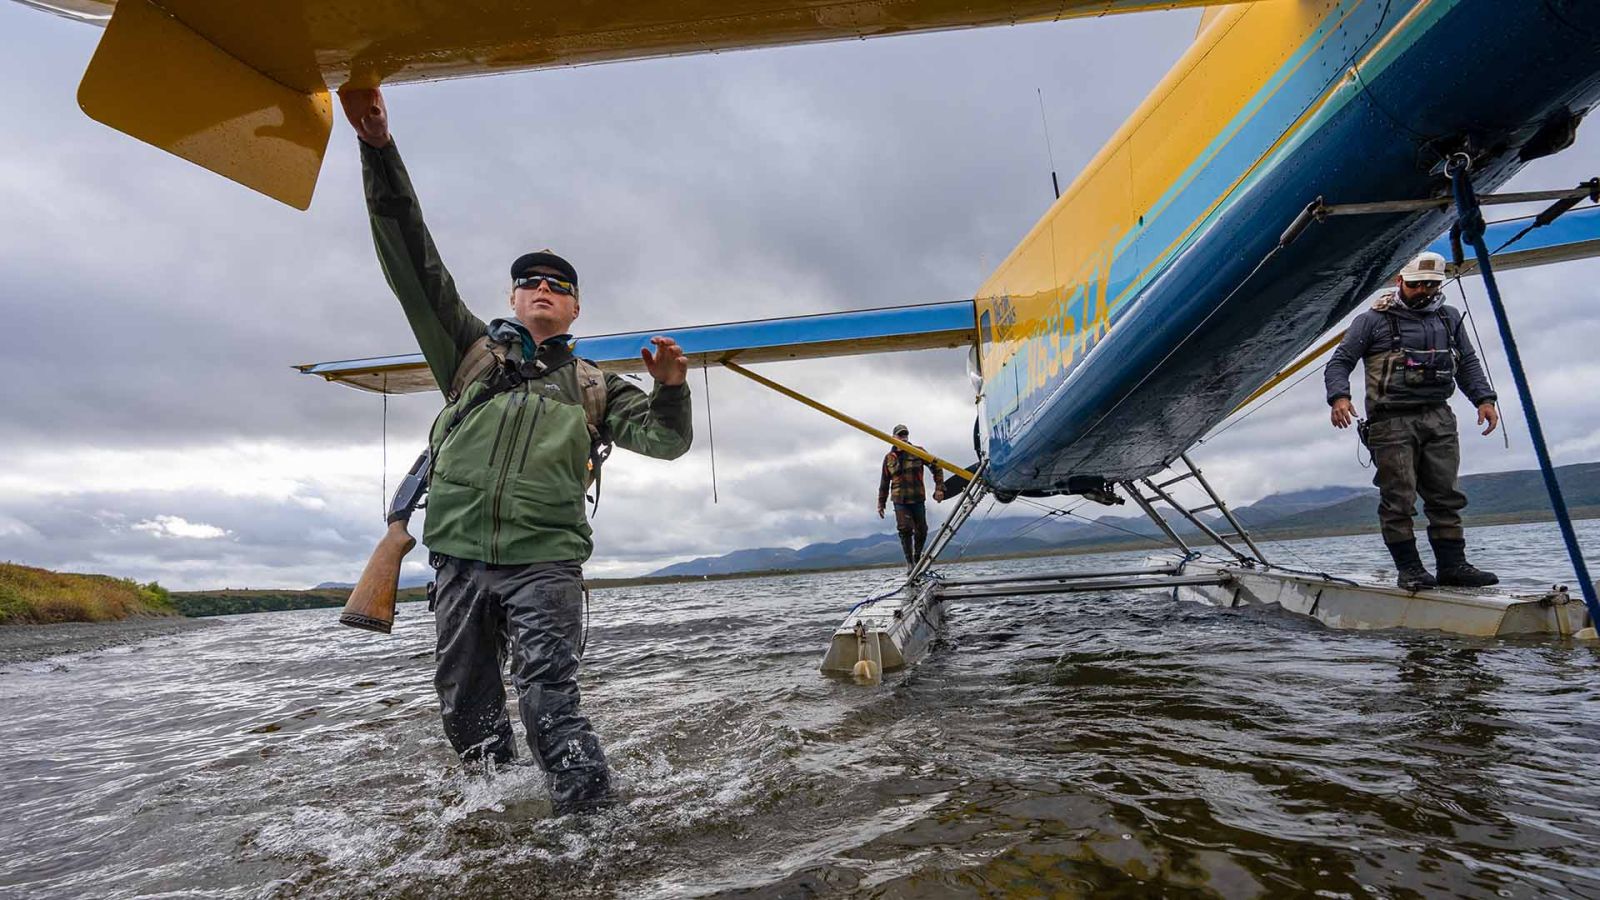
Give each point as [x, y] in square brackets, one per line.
[1470, 217]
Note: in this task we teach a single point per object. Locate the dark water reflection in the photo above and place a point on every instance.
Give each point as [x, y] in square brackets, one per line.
[1119, 745]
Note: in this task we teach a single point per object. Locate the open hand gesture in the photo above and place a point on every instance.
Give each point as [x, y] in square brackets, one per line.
[367, 113]
[668, 365]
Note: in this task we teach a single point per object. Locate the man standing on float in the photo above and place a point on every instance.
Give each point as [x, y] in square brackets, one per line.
[900, 480]
[1415, 355]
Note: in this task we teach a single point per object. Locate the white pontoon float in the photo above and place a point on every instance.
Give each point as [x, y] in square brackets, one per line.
[894, 630]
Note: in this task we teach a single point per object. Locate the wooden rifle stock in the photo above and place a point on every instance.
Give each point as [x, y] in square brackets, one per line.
[371, 604]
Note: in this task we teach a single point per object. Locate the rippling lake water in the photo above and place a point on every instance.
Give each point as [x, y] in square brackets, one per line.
[1121, 744]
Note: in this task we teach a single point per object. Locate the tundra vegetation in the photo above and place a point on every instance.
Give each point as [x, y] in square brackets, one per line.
[38, 596]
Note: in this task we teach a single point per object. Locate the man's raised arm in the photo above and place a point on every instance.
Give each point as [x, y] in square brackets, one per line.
[444, 327]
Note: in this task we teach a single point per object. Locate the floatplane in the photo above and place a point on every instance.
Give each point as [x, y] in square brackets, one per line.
[1283, 170]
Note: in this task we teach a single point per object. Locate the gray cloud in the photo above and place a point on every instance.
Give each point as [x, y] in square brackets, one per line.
[152, 309]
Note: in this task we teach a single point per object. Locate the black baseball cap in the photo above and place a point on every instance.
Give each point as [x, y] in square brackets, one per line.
[543, 259]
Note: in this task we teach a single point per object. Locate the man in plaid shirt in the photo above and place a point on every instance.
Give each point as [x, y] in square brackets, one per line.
[901, 480]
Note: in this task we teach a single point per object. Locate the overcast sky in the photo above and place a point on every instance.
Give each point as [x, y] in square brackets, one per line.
[151, 426]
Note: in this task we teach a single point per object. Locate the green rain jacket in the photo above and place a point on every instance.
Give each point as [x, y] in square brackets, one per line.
[508, 481]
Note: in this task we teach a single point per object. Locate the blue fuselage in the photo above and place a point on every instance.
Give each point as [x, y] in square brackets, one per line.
[1208, 313]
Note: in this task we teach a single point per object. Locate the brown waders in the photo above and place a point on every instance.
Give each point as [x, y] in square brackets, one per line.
[533, 615]
[1417, 452]
[911, 521]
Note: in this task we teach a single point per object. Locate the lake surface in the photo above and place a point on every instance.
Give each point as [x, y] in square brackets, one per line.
[1123, 744]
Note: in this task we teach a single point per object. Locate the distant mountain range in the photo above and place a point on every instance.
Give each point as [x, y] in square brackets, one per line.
[1495, 497]
[406, 581]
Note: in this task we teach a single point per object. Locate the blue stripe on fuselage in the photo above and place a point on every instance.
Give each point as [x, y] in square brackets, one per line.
[1350, 153]
[1151, 246]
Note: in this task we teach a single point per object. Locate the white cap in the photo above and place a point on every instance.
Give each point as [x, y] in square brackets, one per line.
[1429, 266]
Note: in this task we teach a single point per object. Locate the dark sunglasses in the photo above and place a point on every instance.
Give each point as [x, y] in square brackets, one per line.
[530, 282]
[1424, 285]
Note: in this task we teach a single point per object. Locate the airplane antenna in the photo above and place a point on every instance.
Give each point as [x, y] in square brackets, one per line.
[1054, 182]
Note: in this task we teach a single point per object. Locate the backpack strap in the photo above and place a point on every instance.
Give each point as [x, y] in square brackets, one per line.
[486, 355]
[1394, 330]
[592, 394]
[480, 358]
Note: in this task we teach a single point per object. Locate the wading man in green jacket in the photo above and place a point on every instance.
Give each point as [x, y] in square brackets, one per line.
[506, 527]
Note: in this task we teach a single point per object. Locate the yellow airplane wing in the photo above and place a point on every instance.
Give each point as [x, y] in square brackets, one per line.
[241, 86]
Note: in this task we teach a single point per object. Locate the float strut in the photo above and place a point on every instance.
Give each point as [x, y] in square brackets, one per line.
[1470, 220]
[857, 424]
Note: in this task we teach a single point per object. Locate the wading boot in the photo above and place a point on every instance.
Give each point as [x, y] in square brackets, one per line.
[1411, 574]
[905, 548]
[1454, 570]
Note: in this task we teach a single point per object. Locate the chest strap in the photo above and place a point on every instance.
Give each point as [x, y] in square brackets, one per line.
[502, 365]
[1394, 330]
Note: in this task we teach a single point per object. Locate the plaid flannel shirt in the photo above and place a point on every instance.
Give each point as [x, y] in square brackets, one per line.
[902, 478]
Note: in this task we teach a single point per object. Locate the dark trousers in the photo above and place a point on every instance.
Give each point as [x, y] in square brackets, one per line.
[911, 521]
[533, 616]
[1417, 453]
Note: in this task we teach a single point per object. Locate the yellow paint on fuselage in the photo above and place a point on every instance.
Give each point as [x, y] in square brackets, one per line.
[1053, 288]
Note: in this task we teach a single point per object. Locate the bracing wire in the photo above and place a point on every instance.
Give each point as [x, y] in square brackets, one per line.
[383, 498]
[1254, 409]
[711, 433]
[1287, 548]
[1052, 512]
[1477, 343]
[972, 529]
[1127, 531]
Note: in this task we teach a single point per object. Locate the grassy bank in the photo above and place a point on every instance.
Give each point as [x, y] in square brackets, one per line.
[38, 596]
[229, 602]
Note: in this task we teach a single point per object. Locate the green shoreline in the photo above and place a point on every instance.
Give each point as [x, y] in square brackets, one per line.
[30, 597]
[34, 596]
[231, 602]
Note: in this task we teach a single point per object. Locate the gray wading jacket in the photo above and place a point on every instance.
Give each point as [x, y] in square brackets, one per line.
[1431, 357]
[508, 481]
